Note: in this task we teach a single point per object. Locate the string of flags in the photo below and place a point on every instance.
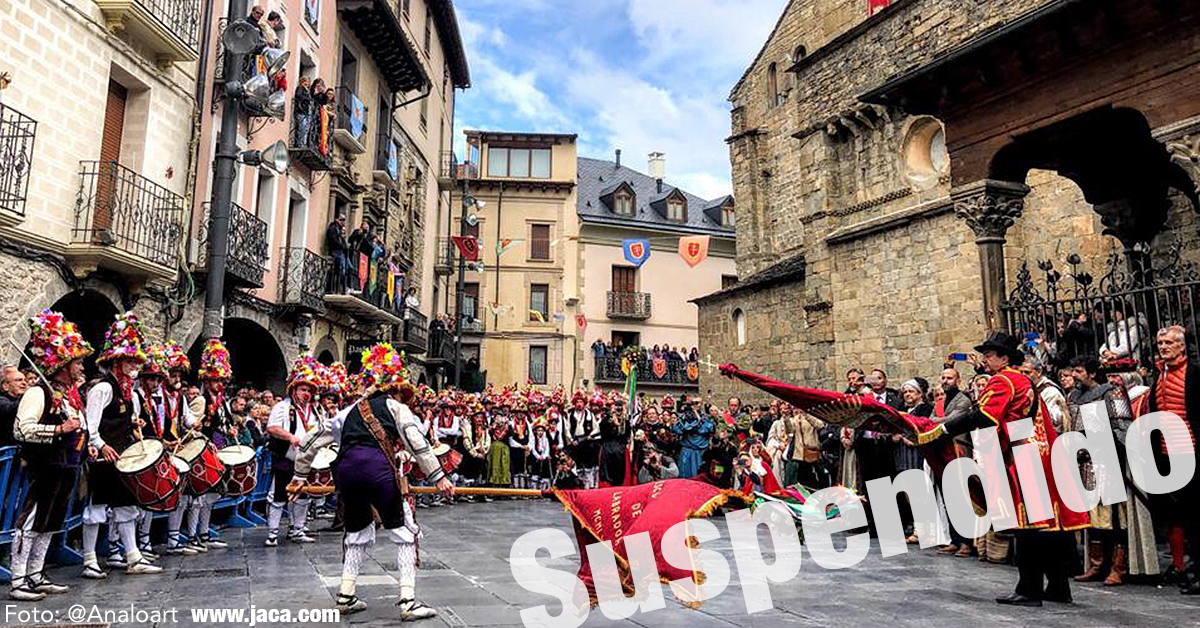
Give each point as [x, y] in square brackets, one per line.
[693, 249]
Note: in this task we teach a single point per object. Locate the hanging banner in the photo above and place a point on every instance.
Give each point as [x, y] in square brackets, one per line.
[659, 367]
[506, 244]
[391, 287]
[363, 262]
[693, 249]
[374, 269]
[875, 6]
[468, 247]
[581, 322]
[693, 371]
[536, 315]
[636, 251]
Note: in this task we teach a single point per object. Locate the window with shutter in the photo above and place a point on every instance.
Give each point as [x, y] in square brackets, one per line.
[539, 242]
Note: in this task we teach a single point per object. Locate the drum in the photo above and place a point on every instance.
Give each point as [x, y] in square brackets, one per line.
[146, 469]
[320, 476]
[446, 455]
[241, 470]
[205, 469]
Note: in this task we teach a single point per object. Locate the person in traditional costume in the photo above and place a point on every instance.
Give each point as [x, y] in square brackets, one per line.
[113, 426]
[540, 457]
[214, 421]
[498, 456]
[375, 438]
[177, 419]
[477, 441]
[1045, 545]
[151, 413]
[520, 444]
[585, 438]
[292, 418]
[50, 427]
[614, 449]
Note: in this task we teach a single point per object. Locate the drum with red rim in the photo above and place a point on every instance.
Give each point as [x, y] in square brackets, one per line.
[241, 470]
[146, 469]
[320, 476]
[205, 469]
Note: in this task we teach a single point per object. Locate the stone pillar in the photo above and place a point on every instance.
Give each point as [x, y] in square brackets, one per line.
[989, 208]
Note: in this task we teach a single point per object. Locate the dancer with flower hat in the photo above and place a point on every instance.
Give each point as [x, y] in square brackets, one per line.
[376, 437]
[177, 420]
[113, 425]
[151, 412]
[214, 421]
[50, 427]
[291, 420]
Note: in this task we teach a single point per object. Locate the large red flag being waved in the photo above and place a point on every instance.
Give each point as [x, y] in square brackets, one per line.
[611, 514]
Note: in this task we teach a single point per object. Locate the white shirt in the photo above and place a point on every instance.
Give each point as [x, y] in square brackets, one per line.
[97, 400]
[279, 417]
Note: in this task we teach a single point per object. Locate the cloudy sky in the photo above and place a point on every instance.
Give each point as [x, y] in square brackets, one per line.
[639, 75]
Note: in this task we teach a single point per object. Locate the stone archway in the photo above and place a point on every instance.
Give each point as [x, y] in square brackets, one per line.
[326, 350]
[258, 360]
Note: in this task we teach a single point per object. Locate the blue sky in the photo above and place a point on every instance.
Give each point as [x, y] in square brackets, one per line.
[639, 75]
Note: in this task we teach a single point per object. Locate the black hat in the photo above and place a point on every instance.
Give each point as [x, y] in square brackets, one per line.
[1004, 344]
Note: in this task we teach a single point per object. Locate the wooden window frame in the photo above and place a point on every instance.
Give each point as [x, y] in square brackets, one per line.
[529, 250]
[545, 349]
[508, 161]
[529, 302]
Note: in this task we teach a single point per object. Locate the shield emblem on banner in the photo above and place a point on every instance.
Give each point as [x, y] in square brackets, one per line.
[659, 366]
[693, 249]
[636, 251]
[693, 371]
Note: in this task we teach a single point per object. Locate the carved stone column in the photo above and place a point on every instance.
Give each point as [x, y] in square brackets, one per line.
[989, 208]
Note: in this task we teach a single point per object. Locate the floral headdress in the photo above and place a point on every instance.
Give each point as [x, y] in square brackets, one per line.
[156, 359]
[386, 367]
[306, 370]
[214, 361]
[124, 339]
[177, 358]
[55, 341]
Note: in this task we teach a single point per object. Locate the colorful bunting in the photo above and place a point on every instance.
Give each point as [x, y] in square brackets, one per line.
[504, 245]
[363, 263]
[536, 315]
[637, 251]
[468, 247]
[581, 322]
[693, 249]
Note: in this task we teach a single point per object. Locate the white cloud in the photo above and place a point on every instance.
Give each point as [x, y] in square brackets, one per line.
[703, 35]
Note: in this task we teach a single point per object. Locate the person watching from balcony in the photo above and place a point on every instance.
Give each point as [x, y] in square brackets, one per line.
[320, 117]
[360, 240]
[302, 108]
[335, 244]
[268, 27]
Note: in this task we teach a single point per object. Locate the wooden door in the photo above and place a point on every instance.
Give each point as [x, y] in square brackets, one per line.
[624, 285]
[108, 170]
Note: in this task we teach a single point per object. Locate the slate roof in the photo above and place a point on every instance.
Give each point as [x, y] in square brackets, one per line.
[600, 177]
[789, 270]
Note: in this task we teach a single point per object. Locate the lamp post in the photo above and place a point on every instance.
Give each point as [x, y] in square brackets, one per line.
[467, 202]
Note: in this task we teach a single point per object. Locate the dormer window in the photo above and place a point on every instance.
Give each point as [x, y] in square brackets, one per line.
[727, 217]
[623, 203]
[676, 210]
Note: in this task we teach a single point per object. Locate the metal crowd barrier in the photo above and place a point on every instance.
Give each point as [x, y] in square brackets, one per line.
[14, 487]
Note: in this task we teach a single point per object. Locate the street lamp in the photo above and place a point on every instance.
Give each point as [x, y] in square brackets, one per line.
[468, 219]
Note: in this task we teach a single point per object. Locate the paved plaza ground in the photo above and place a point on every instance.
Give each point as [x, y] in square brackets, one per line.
[466, 576]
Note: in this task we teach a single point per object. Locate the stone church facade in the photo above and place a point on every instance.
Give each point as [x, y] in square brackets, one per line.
[896, 172]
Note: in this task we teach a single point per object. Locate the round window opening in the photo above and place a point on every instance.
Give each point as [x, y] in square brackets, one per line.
[924, 153]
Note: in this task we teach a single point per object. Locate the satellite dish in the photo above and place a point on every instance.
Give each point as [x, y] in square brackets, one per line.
[240, 37]
[472, 219]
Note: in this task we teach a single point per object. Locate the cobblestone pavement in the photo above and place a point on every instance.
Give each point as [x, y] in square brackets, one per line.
[466, 576]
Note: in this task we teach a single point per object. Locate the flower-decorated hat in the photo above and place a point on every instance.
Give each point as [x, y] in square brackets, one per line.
[156, 359]
[177, 358]
[55, 341]
[306, 370]
[124, 339]
[337, 380]
[214, 361]
[386, 367]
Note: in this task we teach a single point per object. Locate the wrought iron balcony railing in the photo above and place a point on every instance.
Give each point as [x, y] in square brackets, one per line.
[167, 27]
[629, 305]
[119, 208]
[312, 135]
[247, 260]
[414, 334]
[661, 371]
[361, 289]
[350, 132]
[302, 283]
[441, 343]
[17, 132]
[450, 169]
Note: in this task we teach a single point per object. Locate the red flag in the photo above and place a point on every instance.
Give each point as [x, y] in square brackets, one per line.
[581, 322]
[611, 514]
[875, 6]
[468, 247]
[363, 264]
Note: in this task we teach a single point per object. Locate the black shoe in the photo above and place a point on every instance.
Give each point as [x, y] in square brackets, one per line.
[1016, 599]
[1192, 588]
[1174, 576]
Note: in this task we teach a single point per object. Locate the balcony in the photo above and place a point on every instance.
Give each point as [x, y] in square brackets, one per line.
[450, 171]
[311, 139]
[125, 222]
[17, 132]
[441, 345]
[302, 284]
[362, 292]
[629, 305]
[387, 161]
[166, 27]
[650, 372]
[443, 263]
[375, 23]
[350, 129]
[247, 261]
[414, 334]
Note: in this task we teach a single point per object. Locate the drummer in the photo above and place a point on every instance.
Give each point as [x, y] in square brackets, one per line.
[177, 419]
[52, 448]
[214, 422]
[113, 427]
[151, 412]
[368, 484]
[291, 419]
